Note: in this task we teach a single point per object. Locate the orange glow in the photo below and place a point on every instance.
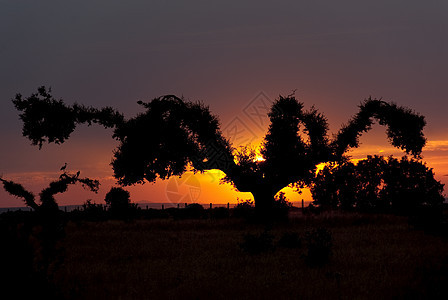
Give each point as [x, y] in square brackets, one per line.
[320, 167]
[97, 166]
[259, 158]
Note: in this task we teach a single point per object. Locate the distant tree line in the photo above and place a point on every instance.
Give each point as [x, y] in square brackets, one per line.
[378, 184]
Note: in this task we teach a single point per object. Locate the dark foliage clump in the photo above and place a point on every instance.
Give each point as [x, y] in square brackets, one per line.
[119, 203]
[190, 211]
[49, 120]
[93, 212]
[377, 184]
[319, 244]
[193, 211]
[257, 243]
[244, 209]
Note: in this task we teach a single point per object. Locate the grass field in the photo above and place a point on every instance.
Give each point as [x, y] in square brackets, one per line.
[374, 257]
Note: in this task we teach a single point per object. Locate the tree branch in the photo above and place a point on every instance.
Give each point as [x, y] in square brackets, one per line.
[404, 127]
[46, 119]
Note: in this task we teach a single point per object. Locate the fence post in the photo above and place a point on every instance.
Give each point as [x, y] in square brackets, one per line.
[163, 207]
[302, 205]
[185, 204]
[210, 206]
[178, 205]
[228, 205]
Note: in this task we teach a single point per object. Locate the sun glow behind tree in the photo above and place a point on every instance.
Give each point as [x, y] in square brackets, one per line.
[174, 136]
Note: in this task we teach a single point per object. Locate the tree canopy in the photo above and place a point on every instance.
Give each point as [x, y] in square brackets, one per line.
[378, 184]
[172, 135]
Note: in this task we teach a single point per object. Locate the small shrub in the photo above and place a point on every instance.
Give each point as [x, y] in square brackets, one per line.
[244, 209]
[93, 212]
[290, 240]
[119, 203]
[257, 243]
[193, 211]
[319, 246]
[281, 207]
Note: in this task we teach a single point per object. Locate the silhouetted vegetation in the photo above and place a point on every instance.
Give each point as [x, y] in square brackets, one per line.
[119, 203]
[244, 209]
[191, 251]
[194, 210]
[190, 211]
[35, 236]
[378, 184]
[173, 134]
[92, 212]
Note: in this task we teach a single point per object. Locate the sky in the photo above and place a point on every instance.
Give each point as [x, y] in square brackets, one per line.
[235, 56]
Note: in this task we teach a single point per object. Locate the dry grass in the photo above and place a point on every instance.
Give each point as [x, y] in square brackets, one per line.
[373, 257]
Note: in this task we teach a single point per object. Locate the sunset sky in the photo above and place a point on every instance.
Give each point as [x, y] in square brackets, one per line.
[235, 56]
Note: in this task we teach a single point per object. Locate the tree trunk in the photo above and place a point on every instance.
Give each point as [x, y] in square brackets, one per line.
[264, 202]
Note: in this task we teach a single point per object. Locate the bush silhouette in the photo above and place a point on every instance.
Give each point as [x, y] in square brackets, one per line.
[93, 212]
[244, 209]
[119, 203]
[193, 211]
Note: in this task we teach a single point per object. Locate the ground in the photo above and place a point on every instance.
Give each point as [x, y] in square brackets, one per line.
[374, 257]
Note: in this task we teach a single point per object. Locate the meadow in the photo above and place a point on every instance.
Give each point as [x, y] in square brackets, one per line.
[373, 257]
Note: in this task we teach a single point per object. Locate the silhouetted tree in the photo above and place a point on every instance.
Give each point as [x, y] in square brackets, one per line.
[173, 135]
[119, 202]
[47, 202]
[47, 220]
[378, 184]
[409, 185]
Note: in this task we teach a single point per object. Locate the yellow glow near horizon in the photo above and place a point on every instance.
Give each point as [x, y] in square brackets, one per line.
[435, 155]
[259, 158]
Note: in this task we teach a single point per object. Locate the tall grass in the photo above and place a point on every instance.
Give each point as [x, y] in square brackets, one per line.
[372, 257]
